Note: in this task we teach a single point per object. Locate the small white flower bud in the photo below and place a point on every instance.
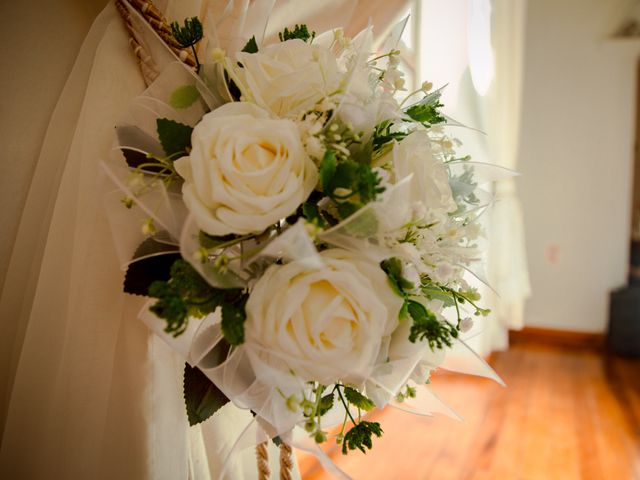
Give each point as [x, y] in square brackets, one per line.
[466, 324]
[292, 403]
[426, 86]
[148, 227]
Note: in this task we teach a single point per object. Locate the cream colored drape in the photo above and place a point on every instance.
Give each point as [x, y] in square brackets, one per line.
[95, 395]
[88, 392]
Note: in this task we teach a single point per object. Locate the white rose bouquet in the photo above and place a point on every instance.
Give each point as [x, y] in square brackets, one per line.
[303, 226]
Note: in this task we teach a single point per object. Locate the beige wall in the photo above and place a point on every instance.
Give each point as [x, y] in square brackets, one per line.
[40, 39]
[576, 159]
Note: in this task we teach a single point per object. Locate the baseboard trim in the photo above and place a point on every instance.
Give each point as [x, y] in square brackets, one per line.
[564, 338]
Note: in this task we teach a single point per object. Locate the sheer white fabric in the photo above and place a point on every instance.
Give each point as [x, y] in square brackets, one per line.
[95, 395]
[484, 92]
[88, 391]
[508, 271]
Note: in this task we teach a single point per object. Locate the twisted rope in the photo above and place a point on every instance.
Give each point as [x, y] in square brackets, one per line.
[286, 462]
[147, 66]
[262, 456]
[159, 24]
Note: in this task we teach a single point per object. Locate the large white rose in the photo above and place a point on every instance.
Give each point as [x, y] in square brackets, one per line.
[324, 325]
[245, 170]
[430, 183]
[287, 78]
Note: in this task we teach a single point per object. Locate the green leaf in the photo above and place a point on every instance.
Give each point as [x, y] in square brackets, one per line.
[382, 135]
[312, 214]
[360, 436]
[187, 295]
[346, 209]
[175, 137]
[299, 31]
[356, 399]
[184, 96]
[202, 397]
[251, 46]
[426, 326]
[233, 318]
[326, 403]
[328, 166]
[155, 263]
[393, 268]
[211, 242]
[428, 109]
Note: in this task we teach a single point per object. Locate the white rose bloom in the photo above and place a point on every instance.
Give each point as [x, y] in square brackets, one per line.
[245, 171]
[287, 78]
[430, 183]
[325, 325]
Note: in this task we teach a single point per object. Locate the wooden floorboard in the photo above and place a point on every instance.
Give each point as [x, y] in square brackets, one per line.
[567, 414]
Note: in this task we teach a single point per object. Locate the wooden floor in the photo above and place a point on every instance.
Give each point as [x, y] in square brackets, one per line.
[567, 413]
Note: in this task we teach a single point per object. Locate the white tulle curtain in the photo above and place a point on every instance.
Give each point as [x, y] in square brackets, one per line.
[481, 64]
[87, 392]
[508, 270]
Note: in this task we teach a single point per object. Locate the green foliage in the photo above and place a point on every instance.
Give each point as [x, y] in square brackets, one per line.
[202, 397]
[189, 34]
[312, 213]
[427, 111]
[233, 318]
[383, 134]
[184, 96]
[360, 436]
[326, 403]
[175, 137]
[393, 268]
[358, 400]
[299, 31]
[251, 46]
[358, 183]
[328, 166]
[211, 242]
[187, 294]
[426, 326]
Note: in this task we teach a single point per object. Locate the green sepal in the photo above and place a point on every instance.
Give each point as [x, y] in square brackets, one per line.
[201, 396]
[251, 46]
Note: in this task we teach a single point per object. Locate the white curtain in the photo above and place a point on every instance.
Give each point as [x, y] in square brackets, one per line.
[508, 271]
[88, 392]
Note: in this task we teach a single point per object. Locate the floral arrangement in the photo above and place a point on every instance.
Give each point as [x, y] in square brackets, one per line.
[302, 225]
